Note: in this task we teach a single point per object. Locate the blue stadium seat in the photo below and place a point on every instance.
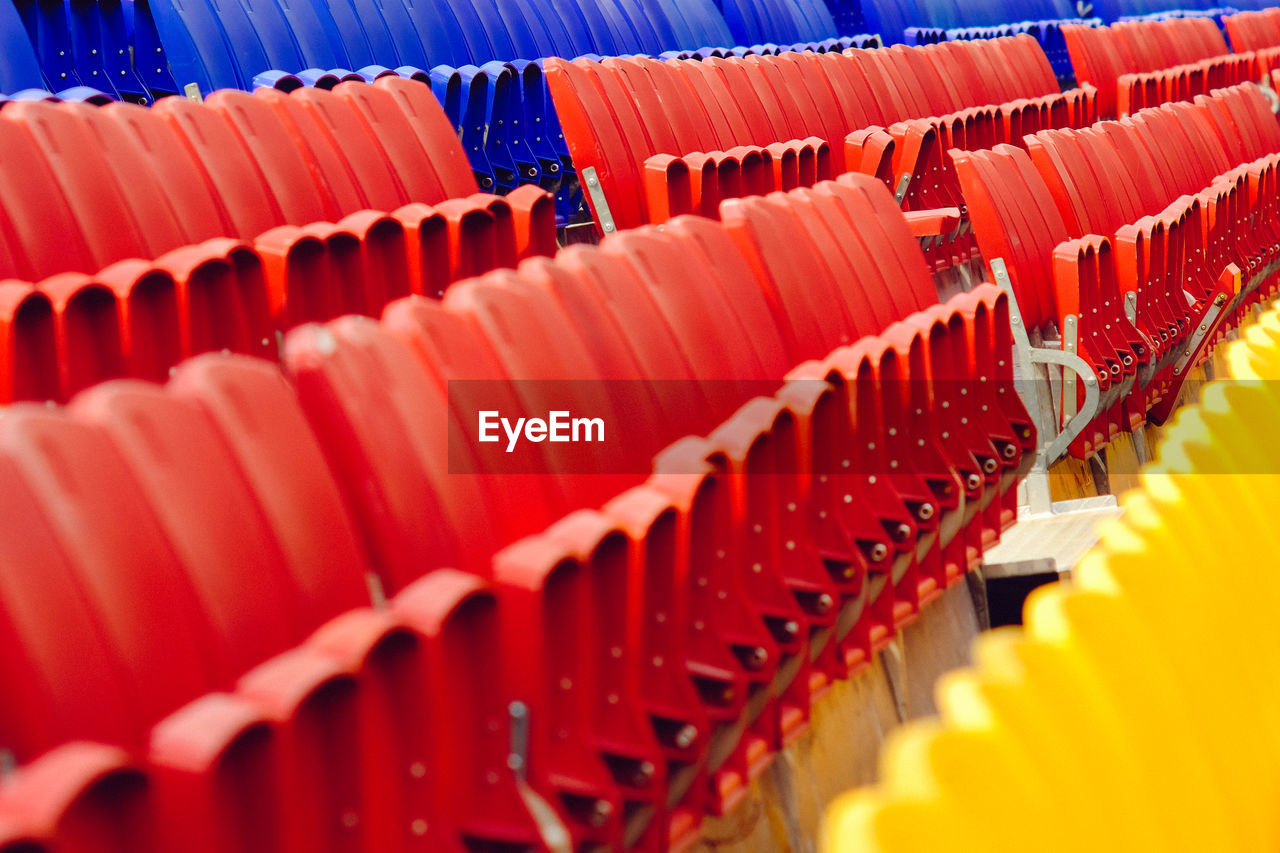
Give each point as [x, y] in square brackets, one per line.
[265, 19]
[19, 68]
[932, 21]
[100, 44]
[50, 33]
[440, 33]
[182, 46]
[508, 153]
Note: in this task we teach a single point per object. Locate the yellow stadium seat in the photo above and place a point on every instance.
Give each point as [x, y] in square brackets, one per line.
[1138, 708]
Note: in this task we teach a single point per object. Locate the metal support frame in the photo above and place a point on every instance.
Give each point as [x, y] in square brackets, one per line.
[1062, 531]
[1046, 372]
[1208, 322]
[591, 180]
[900, 194]
[554, 834]
[1030, 381]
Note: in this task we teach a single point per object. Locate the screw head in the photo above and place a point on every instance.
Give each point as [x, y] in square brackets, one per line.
[643, 775]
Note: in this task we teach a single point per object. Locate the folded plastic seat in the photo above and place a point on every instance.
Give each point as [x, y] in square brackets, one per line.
[80, 794]
[1250, 30]
[300, 500]
[333, 364]
[248, 178]
[403, 362]
[1117, 348]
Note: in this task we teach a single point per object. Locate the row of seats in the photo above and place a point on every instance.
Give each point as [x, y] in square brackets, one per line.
[162, 47]
[1253, 30]
[1109, 705]
[932, 21]
[1216, 13]
[262, 611]
[500, 112]
[1134, 243]
[60, 45]
[1102, 55]
[83, 187]
[1047, 33]
[499, 106]
[137, 237]
[255, 611]
[697, 183]
[1184, 82]
[891, 113]
[891, 17]
[140, 318]
[774, 21]
[1120, 10]
[218, 47]
[505, 117]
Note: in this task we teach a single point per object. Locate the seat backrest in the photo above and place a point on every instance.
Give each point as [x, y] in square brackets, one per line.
[246, 197]
[732, 275]
[142, 145]
[1088, 175]
[1028, 59]
[384, 428]
[693, 121]
[257, 415]
[1099, 56]
[547, 362]
[205, 507]
[381, 114]
[815, 98]
[88, 183]
[19, 66]
[956, 62]
[1246, 107]
[668, 128]
[1014, 218]
[871, 209]
[777, 94]
[35, 211]
[461, 360]
[601, 136]
[151, 615]
[759, 107]
[727, 116]
[847, 235]
[799, 283]
[436, 136]
[683, 285]
[287, 171]
[852, 92]
[340, 124]
[55, 656]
